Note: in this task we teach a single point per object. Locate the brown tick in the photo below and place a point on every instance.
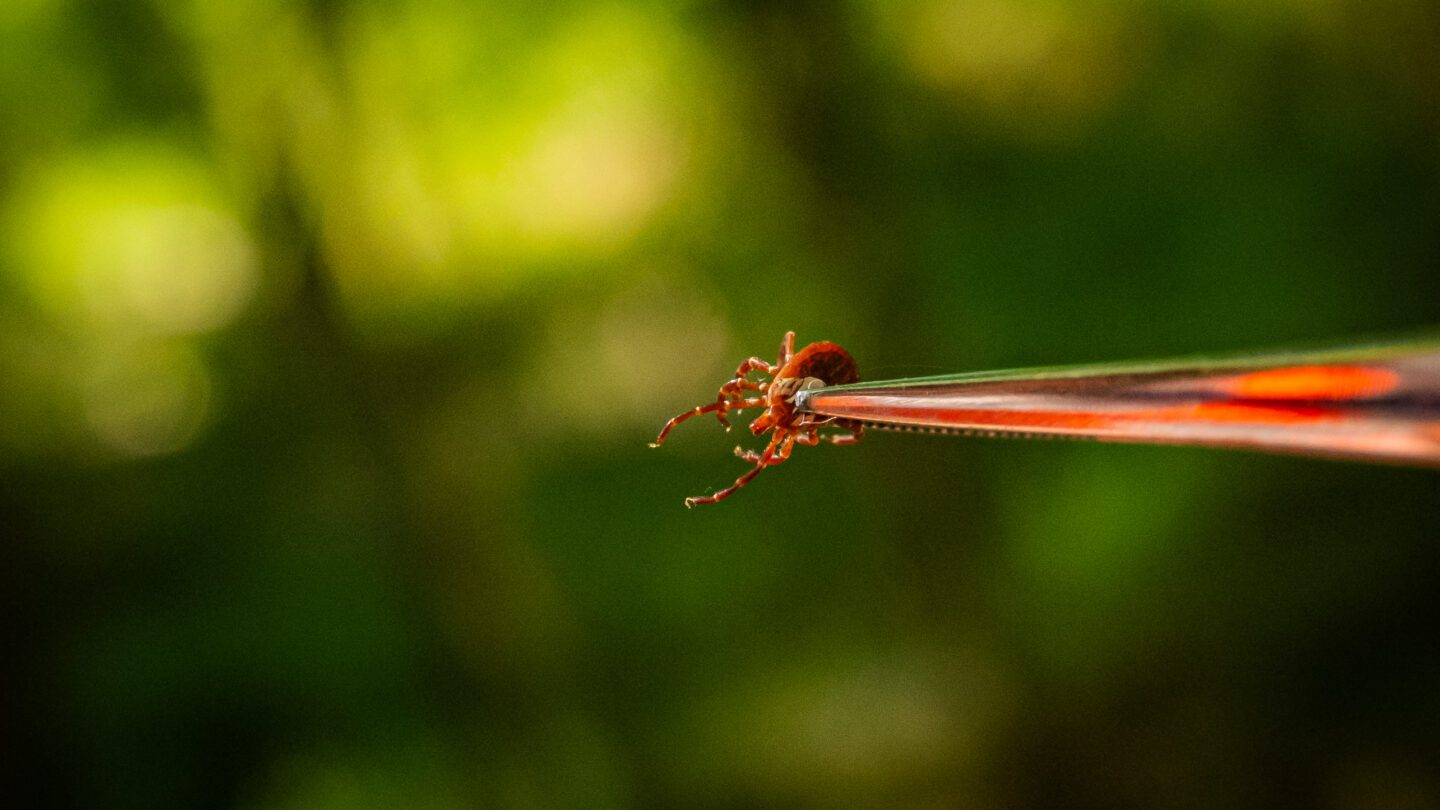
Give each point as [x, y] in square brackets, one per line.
[815, 366]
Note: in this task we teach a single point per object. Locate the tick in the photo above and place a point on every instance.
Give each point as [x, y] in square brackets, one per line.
[816, 366]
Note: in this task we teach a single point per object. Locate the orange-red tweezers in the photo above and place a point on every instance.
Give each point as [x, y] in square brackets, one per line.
[1377, 402]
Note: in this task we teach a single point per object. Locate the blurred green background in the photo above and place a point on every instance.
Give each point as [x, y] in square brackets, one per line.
[332, 335]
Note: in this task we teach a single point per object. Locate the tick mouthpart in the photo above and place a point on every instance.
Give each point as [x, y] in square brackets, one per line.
[806, 385]
[791, 387]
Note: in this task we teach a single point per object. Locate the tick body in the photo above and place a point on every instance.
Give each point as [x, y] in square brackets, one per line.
[816, 366]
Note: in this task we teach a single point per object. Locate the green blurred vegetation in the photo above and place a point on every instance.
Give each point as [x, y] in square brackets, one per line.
[332, 335]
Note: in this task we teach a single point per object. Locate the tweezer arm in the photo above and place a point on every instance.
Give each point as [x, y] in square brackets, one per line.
[1378, 403]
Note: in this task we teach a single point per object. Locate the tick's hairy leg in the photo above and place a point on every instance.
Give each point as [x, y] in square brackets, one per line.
[754, 364]
[787, 351]
[748, 456]
[719, 407]
[730, 490]
[843, 439]
[785, 444]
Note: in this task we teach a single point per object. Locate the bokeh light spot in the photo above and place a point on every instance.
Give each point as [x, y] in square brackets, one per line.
[593, 175]
[148, 400]
[133, 239]
[181, 269]
[1035, 69]
[645, 354]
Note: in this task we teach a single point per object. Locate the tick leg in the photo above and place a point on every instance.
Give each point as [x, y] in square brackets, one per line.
[748, 456]
[718, 407]
[777, 451]
[761, 461]
[812, 427]
[741, 384]
[843, 439]
[812, 422]
[787, 351]
[737, 388]
[734, 392]
[786, 445]
[730, 490]
[754, 364]
[736, 403]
